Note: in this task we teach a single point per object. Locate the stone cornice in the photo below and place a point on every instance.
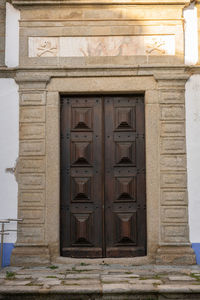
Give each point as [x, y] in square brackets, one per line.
[7, 72]
[100, 2]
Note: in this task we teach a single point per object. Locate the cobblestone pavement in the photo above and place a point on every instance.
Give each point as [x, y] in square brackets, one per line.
[101, 279]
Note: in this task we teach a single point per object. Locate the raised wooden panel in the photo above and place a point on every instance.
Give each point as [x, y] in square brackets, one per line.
[81, 118]
[125, 153]
[81, 189]
[81, 229]
[125, 229]
[81, 153]
[125, 188]
[124, 118]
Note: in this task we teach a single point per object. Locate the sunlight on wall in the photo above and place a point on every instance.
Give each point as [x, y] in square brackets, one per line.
[191, 35]
[12, 36]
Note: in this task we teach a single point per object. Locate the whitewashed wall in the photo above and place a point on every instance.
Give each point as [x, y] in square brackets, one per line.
[193, 154]
[9, 118]
[8, 150]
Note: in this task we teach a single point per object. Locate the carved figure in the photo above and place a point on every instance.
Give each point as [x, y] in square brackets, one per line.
[156, 45]
[46, 47]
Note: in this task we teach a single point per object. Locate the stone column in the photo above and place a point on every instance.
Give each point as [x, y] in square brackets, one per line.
[174, 245]
[2, 31]
[31, 246]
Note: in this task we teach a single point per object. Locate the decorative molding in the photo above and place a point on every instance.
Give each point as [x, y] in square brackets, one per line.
[100, 2]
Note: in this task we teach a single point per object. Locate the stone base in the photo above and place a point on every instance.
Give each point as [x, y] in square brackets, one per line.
[175, 255]
[30, 255]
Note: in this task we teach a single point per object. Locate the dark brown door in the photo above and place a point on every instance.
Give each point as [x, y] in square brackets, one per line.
[103, 203]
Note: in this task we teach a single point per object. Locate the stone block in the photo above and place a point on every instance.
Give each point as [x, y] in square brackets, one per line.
[175, 96]
[30, 255]
[31, 181]
[30, 233]
[170, 197]
[173, 162]
[32, 98]
[175, 255]
[172, 129]
[172, 112]
[2, 43]
[31, 215]
[172, 145]
[31, 198]
[176, 180]
[31, 131]
[34, 147]
[32, 114]
[31, 164]
[174, 233]
[175, 214]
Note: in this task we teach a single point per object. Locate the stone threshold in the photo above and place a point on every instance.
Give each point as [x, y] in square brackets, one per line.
[100, 281]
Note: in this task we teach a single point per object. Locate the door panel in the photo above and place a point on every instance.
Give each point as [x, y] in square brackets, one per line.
[124, 176]
[103, 176]
[81, 177]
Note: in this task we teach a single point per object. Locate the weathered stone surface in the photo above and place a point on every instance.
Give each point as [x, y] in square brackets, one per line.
[32, 215]
[32, 114]
[31, 198]
[174, 214]
[172, 112]
[169, 197]
[177, 180]
[174, 233]
[173, 145]
[172, 129]
[31, 164]
[31, 131]
[180, 278]
[32, 147]
[31, 181]
[32, 98]
[173, 162]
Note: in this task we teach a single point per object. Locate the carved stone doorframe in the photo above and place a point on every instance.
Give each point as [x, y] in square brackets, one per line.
[39, 163]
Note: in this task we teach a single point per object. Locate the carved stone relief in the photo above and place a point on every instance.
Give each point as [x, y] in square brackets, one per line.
[101, 46]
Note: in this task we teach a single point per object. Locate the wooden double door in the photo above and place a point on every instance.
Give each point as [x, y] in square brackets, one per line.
[103, 197]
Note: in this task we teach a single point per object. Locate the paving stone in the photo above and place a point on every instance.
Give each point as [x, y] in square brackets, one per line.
[180, 278]
[151, 281]
[80, 282]
[77, 289]
[82, 276]
[16, 282]
[88, 267]
[121, 276]
[50, 281]
[113, 279]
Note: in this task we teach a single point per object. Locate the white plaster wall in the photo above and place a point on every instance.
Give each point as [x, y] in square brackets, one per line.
[12, 36]
[191, 35]
[193, 154]
[9, 115]
[9, 118]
